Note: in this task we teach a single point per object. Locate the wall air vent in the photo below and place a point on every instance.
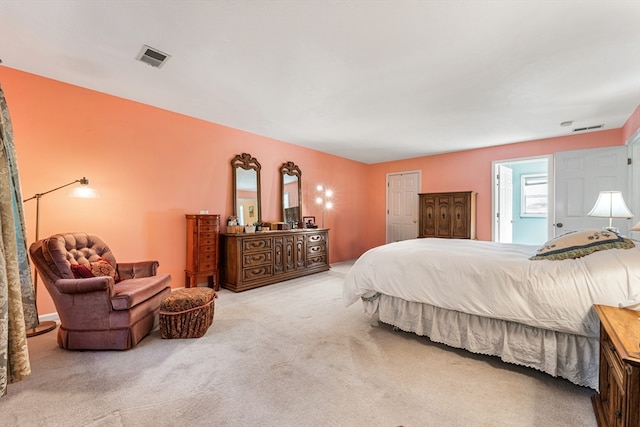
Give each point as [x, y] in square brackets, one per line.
[152, 56]
[588, 128]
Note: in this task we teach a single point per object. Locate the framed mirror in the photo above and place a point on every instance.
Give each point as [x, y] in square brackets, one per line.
[291, 192]
[245, 179]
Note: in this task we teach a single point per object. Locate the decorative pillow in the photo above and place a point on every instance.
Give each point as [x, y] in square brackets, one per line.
[576, 244]
[100, 267]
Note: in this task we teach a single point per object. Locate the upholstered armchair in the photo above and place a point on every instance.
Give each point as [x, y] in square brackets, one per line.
[102, 304]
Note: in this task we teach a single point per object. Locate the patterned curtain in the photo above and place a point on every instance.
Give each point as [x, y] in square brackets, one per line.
[17, 296]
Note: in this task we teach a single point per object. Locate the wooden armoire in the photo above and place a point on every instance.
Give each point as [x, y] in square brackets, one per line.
[447, 215]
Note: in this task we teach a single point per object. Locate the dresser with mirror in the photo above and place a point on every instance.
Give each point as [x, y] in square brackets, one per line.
[250, 260]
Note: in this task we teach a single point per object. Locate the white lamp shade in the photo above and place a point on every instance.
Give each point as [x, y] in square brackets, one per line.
[610, 204]
[636, 227]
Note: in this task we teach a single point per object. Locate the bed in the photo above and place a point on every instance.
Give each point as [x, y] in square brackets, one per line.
[493, 298]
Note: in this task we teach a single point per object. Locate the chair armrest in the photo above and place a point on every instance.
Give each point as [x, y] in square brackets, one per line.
[80, 286]
[132, 270]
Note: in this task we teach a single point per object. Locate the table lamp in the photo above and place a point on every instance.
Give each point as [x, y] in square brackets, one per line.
[610, 204]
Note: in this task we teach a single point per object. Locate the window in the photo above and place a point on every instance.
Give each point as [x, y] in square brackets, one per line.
[533, 195]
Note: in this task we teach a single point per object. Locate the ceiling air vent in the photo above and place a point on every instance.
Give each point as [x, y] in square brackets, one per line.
[588, 128]
[153, 57]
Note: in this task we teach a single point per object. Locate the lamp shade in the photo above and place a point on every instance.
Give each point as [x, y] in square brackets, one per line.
[610, 204]
[636, 227]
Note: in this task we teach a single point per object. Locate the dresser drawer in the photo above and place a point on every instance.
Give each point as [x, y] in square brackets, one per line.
[208, 239]
[314, 250]
[316, 239]
[207, 248]
[215, 221]
[317, 260]
[613, 358]
[257, 244]
[207, 266]
[257, 258]
[206, 256]
[255, 273]
[209, 228]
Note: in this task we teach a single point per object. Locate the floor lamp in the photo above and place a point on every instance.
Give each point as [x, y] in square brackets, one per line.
[48, 325]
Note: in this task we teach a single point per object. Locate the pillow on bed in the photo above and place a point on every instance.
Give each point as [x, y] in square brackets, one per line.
[576, 244]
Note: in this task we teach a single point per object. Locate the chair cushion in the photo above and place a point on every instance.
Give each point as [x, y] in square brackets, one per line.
[101, 267]
[131, 292]
[60, 251]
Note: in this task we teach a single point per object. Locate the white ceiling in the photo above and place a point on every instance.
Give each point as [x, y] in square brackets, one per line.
[367, 80]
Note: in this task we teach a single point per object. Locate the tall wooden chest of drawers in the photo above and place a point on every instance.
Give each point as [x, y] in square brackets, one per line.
[249, 260]
[203, 253]
[618, 402]
[447, 215]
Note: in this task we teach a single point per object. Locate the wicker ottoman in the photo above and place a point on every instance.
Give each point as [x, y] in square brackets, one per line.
[187, 313]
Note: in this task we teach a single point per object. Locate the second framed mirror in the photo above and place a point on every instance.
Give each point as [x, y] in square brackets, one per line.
[245, 175]
[291, 193]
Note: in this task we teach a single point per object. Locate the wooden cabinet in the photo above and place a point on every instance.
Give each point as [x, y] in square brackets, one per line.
[447, 215]
[250, 260]
[203, 254]
[618, 402]
[289, 253]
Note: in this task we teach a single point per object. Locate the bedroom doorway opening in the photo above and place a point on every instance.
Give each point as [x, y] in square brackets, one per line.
[522, 200]
[402, 205]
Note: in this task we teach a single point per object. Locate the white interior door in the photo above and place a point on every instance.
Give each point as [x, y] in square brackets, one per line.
[580, 176]
[402, 206]
[504, 216]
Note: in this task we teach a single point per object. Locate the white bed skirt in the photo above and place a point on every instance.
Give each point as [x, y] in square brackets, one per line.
[573, 357]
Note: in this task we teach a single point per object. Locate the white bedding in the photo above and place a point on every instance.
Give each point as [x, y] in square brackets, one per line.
[497, 280]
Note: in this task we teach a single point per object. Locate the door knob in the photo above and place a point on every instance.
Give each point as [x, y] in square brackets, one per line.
[559, 225]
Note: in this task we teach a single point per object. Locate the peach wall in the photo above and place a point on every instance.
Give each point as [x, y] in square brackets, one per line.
[151, 167]
[471, 171]
[632, 125]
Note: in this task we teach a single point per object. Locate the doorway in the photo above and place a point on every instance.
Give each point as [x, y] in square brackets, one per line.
[522, 200]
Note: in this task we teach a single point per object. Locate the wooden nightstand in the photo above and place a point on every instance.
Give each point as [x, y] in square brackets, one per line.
[618, 403]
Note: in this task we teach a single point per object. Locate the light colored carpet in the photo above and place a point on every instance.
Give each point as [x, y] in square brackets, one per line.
[288, 354]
